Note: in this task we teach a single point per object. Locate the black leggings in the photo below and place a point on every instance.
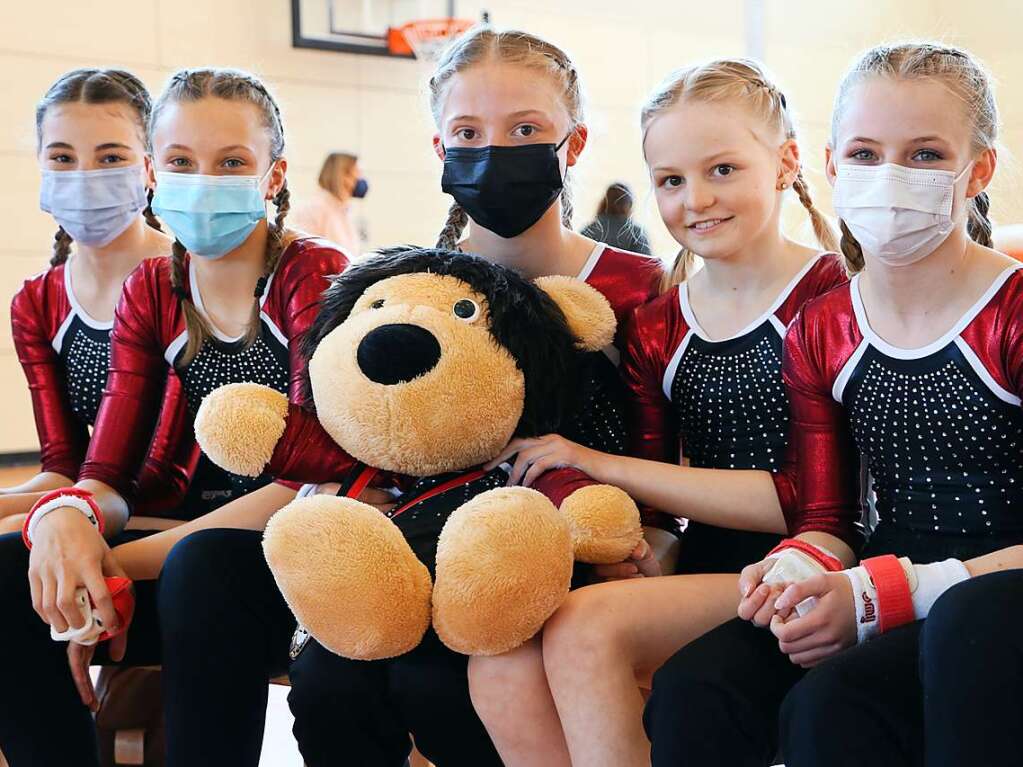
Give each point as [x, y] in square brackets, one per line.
[939, 692]
[224, 630]
[362, 712]
[715, 702]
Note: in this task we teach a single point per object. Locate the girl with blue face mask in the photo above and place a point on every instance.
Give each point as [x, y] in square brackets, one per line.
[227, 306]
[93, 154]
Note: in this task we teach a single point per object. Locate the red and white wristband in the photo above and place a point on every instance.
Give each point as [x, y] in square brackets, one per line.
[67, 497]
[796, 561]
[890, 592]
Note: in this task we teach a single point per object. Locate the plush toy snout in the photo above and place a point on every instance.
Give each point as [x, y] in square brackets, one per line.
[397, 353]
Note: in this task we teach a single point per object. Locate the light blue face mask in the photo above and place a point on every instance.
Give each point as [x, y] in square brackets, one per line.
[93, 206]
[211, 215]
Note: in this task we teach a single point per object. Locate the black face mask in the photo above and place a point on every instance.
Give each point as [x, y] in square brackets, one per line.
[505, 189]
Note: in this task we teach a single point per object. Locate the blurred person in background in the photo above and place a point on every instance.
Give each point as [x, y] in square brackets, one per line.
[613, 223]
[327, 211]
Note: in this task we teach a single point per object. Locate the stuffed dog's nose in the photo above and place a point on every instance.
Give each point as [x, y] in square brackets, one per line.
[392, 354]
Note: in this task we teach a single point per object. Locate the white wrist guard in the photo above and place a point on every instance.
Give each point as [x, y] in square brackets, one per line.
[926, 583]
[868, 624]
[61, 502]
[931, 581]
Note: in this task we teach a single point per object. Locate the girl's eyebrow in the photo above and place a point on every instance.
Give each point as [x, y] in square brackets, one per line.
[233, 147]
[926, 139]
[863, 140]
[59, 145]
[710, 160]
[113, 145]
[527, 112]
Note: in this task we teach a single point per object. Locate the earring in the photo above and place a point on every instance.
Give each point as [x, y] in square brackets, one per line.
[783, 185]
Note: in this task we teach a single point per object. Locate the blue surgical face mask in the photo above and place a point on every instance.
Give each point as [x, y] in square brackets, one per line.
[361, 188]
[210, 215]
[93, 206]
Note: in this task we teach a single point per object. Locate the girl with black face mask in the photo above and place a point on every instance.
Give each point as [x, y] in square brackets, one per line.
[509, 127]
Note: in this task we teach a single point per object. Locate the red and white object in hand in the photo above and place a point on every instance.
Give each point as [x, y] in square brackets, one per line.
[93, 630]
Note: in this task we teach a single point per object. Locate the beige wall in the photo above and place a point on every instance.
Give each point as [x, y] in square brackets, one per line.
[375, 106]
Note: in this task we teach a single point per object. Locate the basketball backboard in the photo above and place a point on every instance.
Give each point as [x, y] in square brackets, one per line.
[360, 26]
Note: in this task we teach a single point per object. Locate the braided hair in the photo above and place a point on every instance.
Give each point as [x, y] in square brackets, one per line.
[482, 43]
[97, 86]
[230, 85]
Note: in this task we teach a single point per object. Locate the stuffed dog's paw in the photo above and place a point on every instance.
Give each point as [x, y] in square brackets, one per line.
[238, 426]
[604, 522]
[504, 565]
[349, 576]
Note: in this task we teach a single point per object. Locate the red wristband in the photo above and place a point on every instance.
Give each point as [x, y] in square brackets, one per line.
[828, 562]
[77, 492]
[894, 599]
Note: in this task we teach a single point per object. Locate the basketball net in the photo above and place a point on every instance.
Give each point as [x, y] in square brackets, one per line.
[426, 39]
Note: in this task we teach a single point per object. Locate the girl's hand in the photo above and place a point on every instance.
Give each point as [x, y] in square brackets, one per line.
[826, 630]
[757, 604]
[642, 563]
[68, 553]
[79, 658]
[536, 455]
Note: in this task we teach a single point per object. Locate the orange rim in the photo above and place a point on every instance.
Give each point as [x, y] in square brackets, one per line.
[403, 40]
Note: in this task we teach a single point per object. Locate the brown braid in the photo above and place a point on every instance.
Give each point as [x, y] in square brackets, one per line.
[195, 324]
[274, 251]
[979, 225]
[821, 228]
[61, 247]
[851, 250]
[147, 212]
[453, 227]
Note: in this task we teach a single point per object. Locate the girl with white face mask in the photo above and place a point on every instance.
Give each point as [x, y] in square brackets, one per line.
[93, 153]
[227, 306]
[915, 368]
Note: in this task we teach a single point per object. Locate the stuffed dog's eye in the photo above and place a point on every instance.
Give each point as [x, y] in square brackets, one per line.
[377, 304]
[466, 309]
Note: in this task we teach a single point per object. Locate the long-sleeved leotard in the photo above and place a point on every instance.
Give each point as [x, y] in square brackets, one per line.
[147, 343]
[939, 428]
[65, 354]
[719, 404]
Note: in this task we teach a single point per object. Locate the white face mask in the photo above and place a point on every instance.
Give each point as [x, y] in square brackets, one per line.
[899, 215]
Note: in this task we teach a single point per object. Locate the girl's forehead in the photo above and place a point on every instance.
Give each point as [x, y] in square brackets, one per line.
[86, 122]
[696, 129]
[211, 122]
[888, 109]
[495, 90]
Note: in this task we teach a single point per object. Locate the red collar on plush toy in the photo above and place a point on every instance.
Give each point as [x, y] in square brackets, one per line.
[367, 474]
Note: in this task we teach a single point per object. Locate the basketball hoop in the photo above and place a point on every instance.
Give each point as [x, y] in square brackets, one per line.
[425, 39]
